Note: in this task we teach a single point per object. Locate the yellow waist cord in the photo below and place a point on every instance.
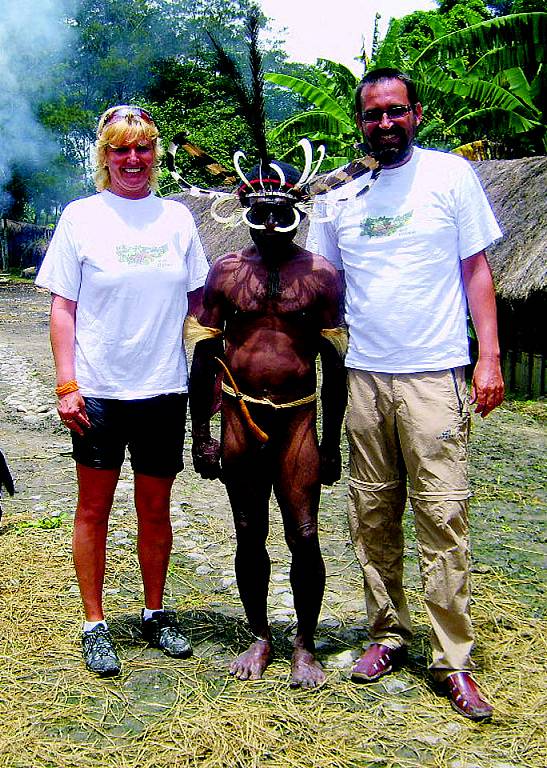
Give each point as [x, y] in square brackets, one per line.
[195, 332]
[266, 401]
[260, 435]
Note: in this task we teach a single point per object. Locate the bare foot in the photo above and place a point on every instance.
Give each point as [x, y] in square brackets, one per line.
[306, 671]
[251, 664]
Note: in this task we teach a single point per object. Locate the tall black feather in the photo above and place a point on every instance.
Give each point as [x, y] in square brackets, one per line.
[251, 100]
[257, 121]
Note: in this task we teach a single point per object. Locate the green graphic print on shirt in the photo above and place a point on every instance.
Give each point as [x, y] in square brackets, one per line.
[379, 226]
[141, 254]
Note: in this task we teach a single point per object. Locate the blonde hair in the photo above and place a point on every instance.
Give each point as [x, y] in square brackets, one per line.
[120, 132]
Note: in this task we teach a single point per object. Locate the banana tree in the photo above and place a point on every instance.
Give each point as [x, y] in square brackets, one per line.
[486, 79]
[331, 120]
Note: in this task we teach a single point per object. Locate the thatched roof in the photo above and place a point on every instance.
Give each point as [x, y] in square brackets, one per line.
[25, 227]
[516, 189]
[217, 239]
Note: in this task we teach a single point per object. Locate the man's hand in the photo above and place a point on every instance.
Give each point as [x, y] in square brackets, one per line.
[206, 457]
[487, 385]
[487, 388]
[331, 464]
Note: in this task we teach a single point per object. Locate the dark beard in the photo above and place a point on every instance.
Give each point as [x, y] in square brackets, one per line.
[390, 154]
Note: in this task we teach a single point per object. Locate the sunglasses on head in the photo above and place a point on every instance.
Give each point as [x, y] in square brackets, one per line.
[127, 110]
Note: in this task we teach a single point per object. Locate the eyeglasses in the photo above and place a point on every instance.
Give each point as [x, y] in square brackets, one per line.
[120, 113]
[394, 112]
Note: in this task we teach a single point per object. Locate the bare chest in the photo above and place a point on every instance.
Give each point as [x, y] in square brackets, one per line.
[281, 292]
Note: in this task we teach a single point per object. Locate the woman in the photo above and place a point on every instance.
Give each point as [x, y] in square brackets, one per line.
[124, 268]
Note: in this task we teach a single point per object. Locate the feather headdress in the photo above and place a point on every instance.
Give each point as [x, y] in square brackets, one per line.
[268, 179]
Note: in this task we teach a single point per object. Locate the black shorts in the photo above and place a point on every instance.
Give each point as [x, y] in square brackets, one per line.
[152, 429]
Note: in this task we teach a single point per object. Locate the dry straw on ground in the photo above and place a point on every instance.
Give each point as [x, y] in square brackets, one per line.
[163, 712]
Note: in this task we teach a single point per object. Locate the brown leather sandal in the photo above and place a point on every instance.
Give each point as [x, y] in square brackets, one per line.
[378, 660]
[465, 697]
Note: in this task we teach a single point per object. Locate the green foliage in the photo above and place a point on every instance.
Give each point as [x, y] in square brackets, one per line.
[44, 524]
[216, 128]
[155, 52]
[477, 76]
[488, 80]
[475, 79]
[331, 120]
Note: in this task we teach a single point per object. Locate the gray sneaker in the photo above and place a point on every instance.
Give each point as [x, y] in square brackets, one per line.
[163, 631]
[99, 653]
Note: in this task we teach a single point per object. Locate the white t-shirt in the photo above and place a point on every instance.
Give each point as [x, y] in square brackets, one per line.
[129, 265]
[400, 246]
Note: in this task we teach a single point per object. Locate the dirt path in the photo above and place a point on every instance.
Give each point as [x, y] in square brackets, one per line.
[170, 713]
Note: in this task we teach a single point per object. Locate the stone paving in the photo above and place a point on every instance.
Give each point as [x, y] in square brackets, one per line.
[202, 527]
[508, 456]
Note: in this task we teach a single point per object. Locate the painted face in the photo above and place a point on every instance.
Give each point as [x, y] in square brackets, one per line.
[390, 139]
[130, 168]
[269, 215]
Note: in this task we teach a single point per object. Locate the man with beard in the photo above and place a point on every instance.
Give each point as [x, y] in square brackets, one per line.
[412, 253]
[269, 310]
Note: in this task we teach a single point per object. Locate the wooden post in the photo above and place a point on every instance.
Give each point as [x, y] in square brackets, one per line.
[522, 369]
[3, 245]
[536, 378]
[507, 370]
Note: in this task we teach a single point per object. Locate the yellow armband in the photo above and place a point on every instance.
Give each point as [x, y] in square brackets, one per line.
[194, 331]
[338, 337]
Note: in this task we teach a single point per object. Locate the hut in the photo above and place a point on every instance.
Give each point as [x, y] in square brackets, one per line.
[516, 190]
[22, 244]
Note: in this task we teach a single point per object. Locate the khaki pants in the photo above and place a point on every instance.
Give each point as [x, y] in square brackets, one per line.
[413, 426]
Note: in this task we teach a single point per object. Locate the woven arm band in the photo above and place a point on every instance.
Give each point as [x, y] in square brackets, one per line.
[194, 331]
[69, 386]
[338, 337]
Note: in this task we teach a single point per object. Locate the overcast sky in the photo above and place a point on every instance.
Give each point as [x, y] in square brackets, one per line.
[334, 29]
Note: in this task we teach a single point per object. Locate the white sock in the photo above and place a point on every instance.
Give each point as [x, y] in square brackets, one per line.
[89, 625]
[148, 612]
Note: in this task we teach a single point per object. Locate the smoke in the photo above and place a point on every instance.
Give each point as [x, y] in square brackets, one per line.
[33, 37]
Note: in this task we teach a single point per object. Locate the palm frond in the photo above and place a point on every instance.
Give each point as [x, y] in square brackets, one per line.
[515, 81]
[521, 32]
[478, 92]
[389, 54]
[517, 123]
[306, 123]
[345, 80]
[311, 93]
[507, 57]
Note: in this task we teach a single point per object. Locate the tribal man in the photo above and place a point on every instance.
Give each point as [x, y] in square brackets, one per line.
[268, 311]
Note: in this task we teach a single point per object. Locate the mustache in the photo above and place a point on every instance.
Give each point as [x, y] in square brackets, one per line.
[393, 130]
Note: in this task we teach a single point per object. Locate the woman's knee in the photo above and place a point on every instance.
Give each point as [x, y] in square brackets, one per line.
[94, 512]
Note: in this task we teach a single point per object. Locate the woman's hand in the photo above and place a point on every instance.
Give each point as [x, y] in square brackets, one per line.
[71, 409]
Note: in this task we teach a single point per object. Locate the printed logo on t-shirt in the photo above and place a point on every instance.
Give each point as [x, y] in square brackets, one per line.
[380, 226]
[141, 254]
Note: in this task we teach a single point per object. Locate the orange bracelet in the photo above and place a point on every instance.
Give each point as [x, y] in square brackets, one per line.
[69, 386]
